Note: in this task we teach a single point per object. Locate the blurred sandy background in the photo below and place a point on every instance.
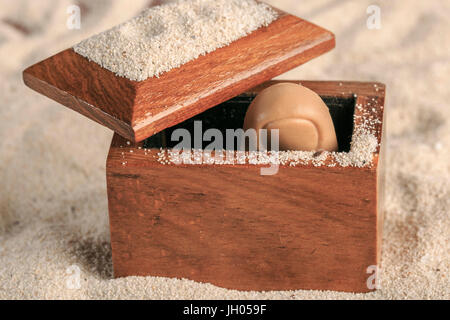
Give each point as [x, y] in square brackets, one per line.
[53, 205]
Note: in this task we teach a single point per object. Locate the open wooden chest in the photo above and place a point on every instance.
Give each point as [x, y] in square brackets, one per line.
[316, 224]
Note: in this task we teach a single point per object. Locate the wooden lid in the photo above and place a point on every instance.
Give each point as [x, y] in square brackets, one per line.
[137, 110]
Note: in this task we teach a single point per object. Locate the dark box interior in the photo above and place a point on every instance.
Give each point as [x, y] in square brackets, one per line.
[231, 114]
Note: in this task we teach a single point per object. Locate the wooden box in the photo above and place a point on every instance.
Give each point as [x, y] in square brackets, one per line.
[305, 227]
[314, 225]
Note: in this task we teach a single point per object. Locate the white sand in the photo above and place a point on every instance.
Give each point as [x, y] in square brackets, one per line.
[53, 209]
[165, 37]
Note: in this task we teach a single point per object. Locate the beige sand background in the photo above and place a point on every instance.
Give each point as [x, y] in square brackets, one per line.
[53, 206]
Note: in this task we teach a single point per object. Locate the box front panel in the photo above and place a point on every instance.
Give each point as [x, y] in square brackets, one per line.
[303, 228]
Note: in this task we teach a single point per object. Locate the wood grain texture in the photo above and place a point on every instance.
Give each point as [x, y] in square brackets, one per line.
[137, 110]
[304, 228]
[300, 229]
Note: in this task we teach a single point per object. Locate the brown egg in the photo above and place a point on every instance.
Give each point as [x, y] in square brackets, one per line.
[300, 115]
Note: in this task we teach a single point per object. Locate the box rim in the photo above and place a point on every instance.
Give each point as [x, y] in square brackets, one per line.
[365, 91]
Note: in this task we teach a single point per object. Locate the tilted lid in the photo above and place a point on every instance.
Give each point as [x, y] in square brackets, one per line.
[139, 109]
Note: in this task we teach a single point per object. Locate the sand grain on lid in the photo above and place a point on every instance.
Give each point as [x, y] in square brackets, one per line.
[167, 36]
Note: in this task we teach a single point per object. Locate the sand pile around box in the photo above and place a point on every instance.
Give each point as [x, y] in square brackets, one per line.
[53, 207]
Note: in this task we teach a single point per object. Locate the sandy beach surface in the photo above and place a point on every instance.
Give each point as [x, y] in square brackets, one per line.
[53, 204]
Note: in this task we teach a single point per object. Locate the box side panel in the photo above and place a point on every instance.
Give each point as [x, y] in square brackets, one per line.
[381, 178]
[304, 228]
